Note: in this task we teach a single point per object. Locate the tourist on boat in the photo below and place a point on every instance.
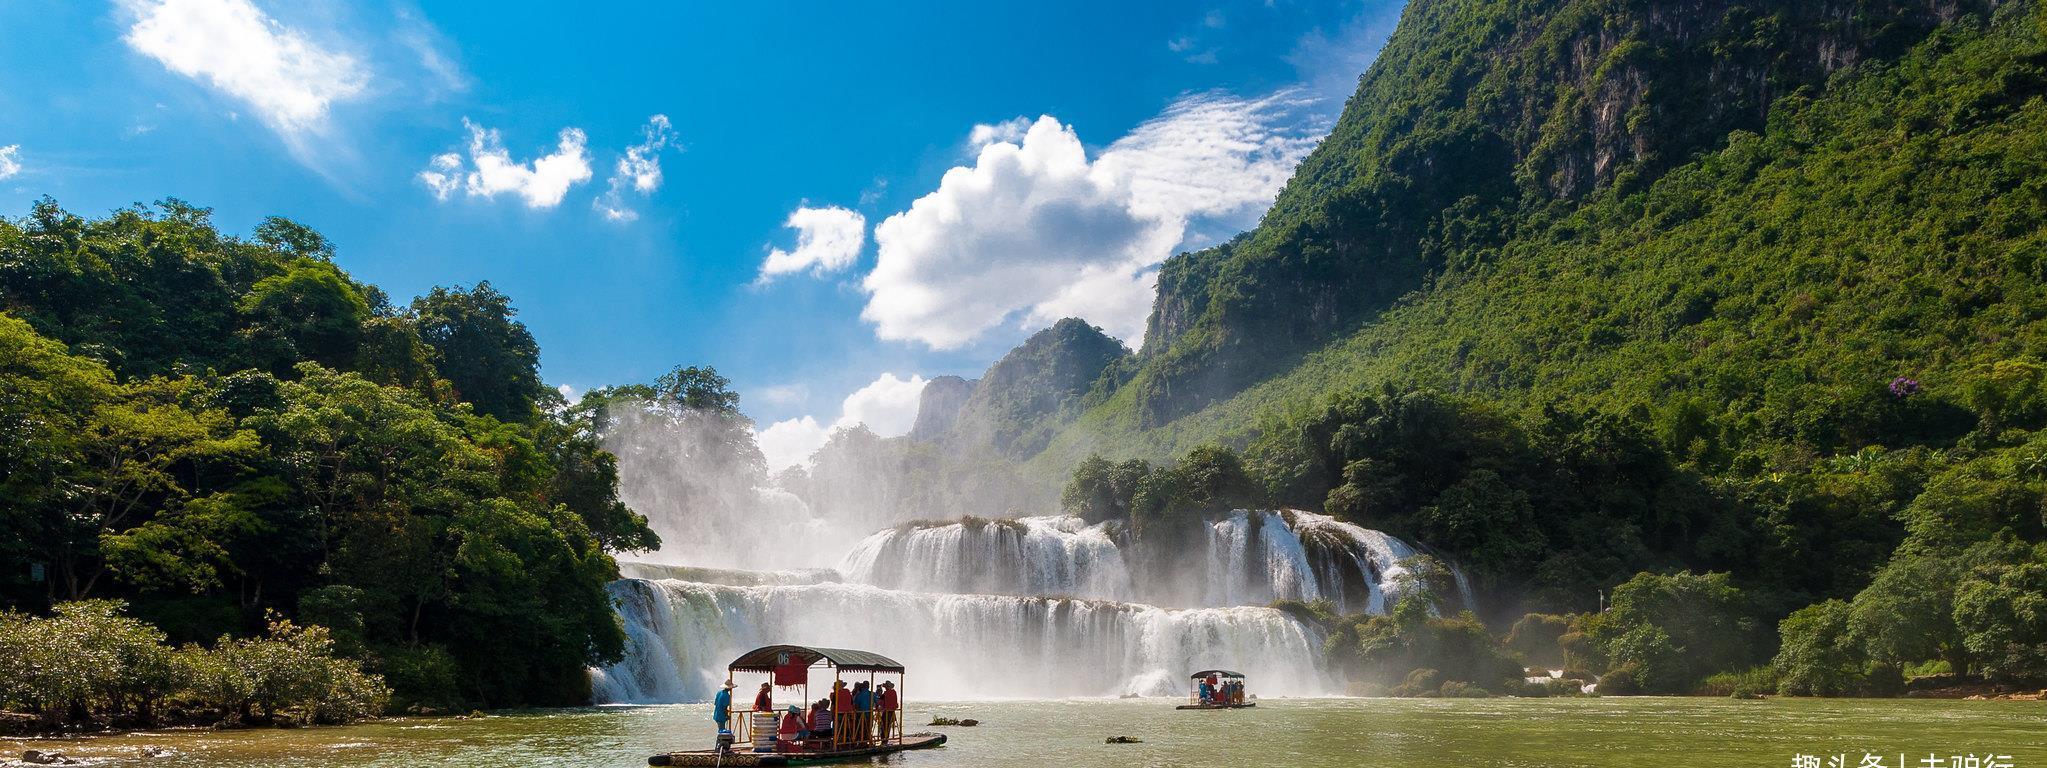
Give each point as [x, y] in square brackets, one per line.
[1207, 692]
[789, 736]
[765, 700]
[721, 706]
[863, 707]
[887, 705]
[842, 707]
[821, 721]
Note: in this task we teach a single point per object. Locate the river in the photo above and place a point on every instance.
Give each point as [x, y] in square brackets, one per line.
[1408, 733]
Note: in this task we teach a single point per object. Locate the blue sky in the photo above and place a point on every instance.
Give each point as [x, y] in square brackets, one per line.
[835, 203]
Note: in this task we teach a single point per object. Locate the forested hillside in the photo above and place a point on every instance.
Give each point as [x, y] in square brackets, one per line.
[1577, 290]
[220, 431]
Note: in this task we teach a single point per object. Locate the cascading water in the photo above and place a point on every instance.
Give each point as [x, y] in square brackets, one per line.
[681, 634]
[1247, 558]
[1061, 556]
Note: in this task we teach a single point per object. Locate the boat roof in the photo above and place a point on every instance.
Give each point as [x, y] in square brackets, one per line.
[1217, 673]
[765, 658]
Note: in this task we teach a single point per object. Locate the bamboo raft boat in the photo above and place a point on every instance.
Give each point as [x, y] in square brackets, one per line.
[738, 758]
[856, 733]
[1213, 678]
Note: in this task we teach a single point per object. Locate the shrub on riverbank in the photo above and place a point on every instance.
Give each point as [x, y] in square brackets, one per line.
[88, 663]
[1746, 683]
[1415, 650]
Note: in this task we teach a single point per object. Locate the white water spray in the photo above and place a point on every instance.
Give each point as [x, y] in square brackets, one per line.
[682, 634]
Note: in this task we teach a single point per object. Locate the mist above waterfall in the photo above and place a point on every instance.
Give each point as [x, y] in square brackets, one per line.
[702, 483]
[699, 477]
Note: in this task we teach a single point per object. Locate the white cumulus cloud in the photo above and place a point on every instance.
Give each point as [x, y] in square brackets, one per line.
[639, 171]
[10, 160]
[1011, 130]
[887, 406]
[286, 78]
[1034, 230]
[790, 442]
[828, 239]
[489, 170]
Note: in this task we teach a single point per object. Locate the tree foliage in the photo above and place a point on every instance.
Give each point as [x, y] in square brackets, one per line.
[216, 428]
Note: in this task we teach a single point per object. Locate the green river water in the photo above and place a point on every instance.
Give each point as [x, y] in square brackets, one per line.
[1411, 733]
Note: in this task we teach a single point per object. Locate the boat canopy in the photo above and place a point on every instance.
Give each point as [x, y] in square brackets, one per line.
[768, 657]
[1216, 672]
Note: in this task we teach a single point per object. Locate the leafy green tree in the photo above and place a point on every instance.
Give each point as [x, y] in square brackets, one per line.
[1671, 631]
[47, 399]
[128, 464]
[1390, 650]
[2001, 608]
[696, 388]
[1538, 638]
[1103, 490]
[1907, 613]
[1484, 518]
[309, 312]
[293, 238]
[1819, 656]
[1208, 480]
[490, 358]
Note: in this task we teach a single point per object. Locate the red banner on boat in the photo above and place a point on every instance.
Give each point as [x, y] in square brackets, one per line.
[790, 671]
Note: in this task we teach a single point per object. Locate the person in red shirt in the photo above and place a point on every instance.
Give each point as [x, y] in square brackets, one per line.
[788, 736]
[765, 700]
[842, 710]
[887, 707]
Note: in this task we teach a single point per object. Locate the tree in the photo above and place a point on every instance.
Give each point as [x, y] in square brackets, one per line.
[1671, 631]
[1538, 638]
[309, 312]
[129, 461]
[2001, 608]
[699, 389]
[489, 357]
[1208, 480]
[1487, 520]
[1101, 490]
[1907, 613]
[1819, 656]
[47, 399]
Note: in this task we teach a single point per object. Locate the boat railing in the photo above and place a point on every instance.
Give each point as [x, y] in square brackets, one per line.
[849, 729]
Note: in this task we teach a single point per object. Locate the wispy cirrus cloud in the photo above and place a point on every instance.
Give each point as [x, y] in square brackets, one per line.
[10, 160]
[277, 72]
[637, 172]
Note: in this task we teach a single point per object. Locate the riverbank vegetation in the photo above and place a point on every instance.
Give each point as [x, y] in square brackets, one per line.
[238, 439]
[88, 665]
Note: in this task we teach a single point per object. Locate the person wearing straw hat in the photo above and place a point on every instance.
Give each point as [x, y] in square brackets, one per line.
[721, 706]
[887, 704]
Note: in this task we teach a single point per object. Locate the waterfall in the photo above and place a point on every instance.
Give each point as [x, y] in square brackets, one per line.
[1026, 607]
[1027, 556]
[1247, 558]
[682, 634]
